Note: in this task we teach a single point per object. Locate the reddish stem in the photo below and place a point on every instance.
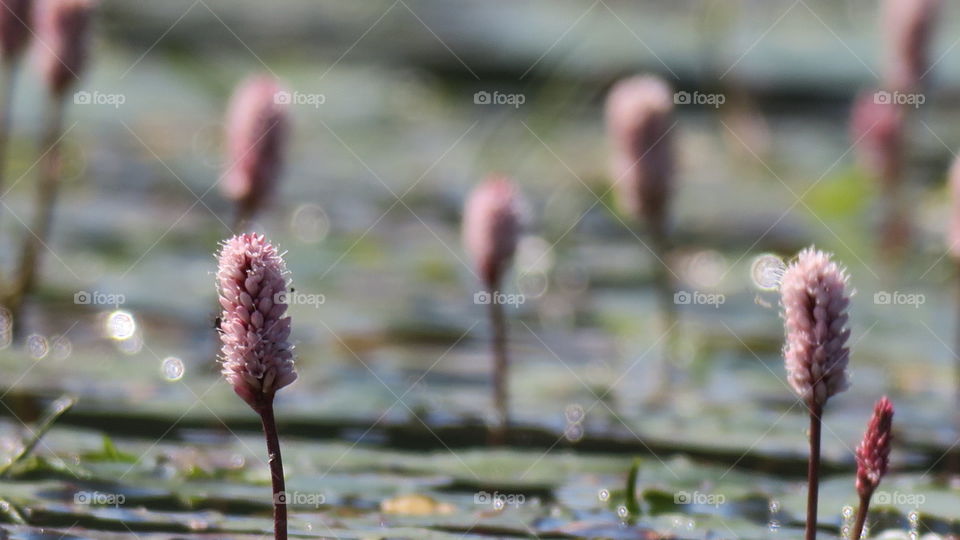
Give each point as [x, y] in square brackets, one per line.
[857, 530]
[498, 325]
[813, 472]
[276, 470]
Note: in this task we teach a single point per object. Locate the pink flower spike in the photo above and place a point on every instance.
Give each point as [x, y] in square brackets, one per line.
[491, 228]
[257, 357]
[16, 18]
[873, 454]
[257, 131]
[815, 314]
[908, 27]
[876, 128]
[953, 234]
[638, 116]
[64, 35]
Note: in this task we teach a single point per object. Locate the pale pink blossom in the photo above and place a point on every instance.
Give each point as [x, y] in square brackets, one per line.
[639, 121]
[63, 36]
[491, 227]
[256, 355]
[814, 298]
[257, 128]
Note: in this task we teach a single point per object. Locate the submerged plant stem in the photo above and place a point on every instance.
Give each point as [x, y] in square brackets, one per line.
[857, 529]
[276, 471]
[813, 471]
[498, 329]
[35, 237]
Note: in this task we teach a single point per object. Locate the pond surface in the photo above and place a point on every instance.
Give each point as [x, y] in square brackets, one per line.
[384, 433]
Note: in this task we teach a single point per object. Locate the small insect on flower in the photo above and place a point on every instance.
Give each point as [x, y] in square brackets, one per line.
[257, 356]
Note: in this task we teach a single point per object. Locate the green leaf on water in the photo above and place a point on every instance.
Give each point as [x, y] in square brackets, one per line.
[57, 409]
[110, 453]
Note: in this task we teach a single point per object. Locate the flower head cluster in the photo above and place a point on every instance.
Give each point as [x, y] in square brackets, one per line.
[491, 227]
[257, 131]
[64, 35]
[815, 315]
[638, 116]
[873, 454]
[256, 354]
[908, 26]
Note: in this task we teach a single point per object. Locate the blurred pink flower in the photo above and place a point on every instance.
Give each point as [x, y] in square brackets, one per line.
[815, 303]
[257, 130]
[876, 127]
[873, 454]
[638, 116]
[953, 234]
[908, 28]
[491, 227]
[16, 17]
[63, 35]
[256, 354]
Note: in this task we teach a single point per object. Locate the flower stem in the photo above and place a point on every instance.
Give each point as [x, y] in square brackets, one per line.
[35, 237]
[498, 325]
[813, 471]
[665, 289]
[8, 72]
[953, 461]
[861, 516]
[276, 470]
